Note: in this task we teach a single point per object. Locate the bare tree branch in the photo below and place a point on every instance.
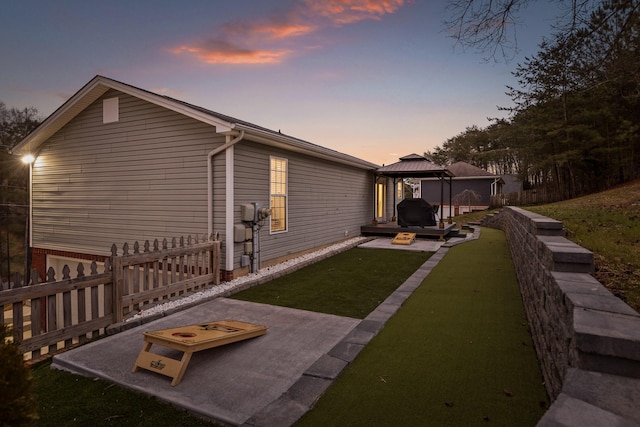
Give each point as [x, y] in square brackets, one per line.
[490, 26]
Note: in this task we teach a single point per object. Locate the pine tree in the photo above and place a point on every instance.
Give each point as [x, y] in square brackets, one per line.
[17, 405]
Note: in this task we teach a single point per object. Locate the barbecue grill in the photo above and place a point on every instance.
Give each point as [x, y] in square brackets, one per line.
[415, 213]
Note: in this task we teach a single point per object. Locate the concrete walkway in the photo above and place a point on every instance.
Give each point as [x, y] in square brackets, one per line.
[271, 380]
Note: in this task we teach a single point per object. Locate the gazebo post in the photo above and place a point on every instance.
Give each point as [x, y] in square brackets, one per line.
[441, 197]
[395, 190]
[375, 198]
[450, 198]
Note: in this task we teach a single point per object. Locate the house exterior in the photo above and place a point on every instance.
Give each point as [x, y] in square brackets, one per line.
[117, 164]
[471, 188]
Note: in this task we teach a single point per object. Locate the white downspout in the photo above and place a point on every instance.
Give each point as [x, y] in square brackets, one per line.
[228, 148]
[495, 186]
[228, 205]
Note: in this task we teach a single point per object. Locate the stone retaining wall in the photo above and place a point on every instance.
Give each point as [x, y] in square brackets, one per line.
[587, 340]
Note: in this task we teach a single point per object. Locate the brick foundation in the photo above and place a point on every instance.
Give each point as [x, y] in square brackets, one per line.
[226, 275]
[39, 258]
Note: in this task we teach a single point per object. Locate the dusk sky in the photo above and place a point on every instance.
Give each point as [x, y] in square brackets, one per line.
[374, 79]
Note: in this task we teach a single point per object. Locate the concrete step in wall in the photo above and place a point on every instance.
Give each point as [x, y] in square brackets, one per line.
[606, 329]
[595, 399]
[557, 253]
[538, 225]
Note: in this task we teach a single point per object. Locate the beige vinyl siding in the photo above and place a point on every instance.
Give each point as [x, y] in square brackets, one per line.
[143, 177]
[327, 202]
[251, 178]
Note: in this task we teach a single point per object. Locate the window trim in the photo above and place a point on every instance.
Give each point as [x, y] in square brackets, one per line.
[285, 195]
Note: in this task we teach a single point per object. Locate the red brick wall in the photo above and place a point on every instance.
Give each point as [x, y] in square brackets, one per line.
[226, 275]
[39, 258]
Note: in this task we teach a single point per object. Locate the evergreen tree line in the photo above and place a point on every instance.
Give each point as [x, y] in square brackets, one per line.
[15, 125]
[575, 124]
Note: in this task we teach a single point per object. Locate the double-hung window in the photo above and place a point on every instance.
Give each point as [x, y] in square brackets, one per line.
[278, 197]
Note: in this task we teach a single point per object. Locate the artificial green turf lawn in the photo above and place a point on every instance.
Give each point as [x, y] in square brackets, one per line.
[352, 283]
[65, 399]
[458, 353]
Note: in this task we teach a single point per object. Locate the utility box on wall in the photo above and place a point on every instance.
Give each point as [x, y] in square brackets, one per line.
[245, 261]
[247, 212]
[254, 212]
[248, 248]
[241, 233]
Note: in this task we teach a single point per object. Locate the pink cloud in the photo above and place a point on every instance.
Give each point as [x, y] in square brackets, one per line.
[342, 12]
[270, 41]
[286, 30]
[231, 55]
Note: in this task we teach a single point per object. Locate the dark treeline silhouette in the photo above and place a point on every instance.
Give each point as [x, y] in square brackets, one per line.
[575, 124]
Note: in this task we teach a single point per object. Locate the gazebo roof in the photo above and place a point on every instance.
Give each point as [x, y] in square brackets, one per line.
[414, 166]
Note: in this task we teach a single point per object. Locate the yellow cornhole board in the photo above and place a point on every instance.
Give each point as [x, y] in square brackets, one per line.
[190, 339]
[404, 239]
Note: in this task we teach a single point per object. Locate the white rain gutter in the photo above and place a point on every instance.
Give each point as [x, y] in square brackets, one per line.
[227, 147]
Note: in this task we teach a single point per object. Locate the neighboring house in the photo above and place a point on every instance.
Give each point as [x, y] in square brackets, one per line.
[471, 188]
[117, 164]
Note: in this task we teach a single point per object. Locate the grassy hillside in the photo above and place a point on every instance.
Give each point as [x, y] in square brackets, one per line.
[608, 224]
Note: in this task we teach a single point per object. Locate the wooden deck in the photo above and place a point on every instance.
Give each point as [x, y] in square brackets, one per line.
[392, 228]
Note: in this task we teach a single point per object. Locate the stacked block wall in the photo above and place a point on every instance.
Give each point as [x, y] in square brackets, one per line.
[585, 337]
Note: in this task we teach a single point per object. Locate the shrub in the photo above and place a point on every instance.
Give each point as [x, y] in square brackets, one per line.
[17, 405]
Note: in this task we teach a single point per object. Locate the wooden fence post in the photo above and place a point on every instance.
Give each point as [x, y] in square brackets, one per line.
[117, 281]
[214, 258]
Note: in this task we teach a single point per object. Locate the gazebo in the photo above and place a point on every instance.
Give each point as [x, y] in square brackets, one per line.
[414, 166]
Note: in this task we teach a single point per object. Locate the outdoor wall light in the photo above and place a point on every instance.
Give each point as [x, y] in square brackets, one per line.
[28, 159]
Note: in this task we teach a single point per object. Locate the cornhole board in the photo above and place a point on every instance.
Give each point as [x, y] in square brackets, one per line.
[190, 339]
[404, 239]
